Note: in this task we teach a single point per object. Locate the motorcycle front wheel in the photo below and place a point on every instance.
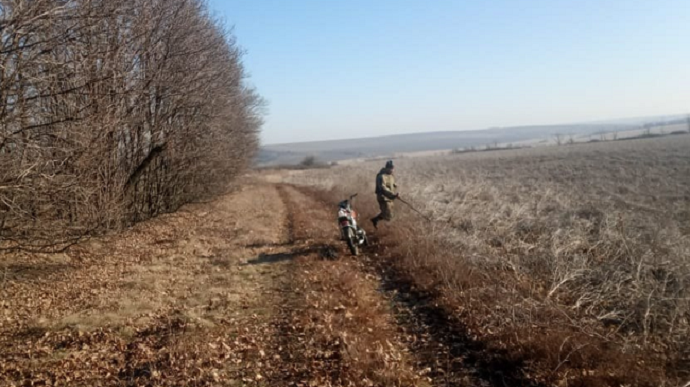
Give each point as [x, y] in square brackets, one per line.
[352, 241]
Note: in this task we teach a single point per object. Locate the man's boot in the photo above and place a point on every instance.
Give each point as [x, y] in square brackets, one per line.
[375, 222]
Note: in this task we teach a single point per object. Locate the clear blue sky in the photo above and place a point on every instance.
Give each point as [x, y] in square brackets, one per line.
[344, 69]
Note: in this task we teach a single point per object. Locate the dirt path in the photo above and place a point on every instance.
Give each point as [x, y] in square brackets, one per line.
[239, 291]
[251, 289]
[432, 349]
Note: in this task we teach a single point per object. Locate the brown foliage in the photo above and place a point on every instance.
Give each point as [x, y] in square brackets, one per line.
[114, 111]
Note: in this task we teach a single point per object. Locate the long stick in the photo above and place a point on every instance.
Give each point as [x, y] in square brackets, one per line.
[415, 210]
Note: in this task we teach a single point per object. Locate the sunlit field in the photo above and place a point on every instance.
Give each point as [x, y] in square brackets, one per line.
[565, 254]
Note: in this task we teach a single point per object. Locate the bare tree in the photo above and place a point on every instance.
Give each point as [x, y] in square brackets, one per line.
[113, 112]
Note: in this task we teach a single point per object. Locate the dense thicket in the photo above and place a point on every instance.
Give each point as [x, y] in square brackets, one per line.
[113, 111]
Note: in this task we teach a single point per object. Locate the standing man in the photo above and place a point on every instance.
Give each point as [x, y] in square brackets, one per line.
[386, 192]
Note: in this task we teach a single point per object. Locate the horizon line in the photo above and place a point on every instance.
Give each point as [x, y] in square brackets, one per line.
[593, 122]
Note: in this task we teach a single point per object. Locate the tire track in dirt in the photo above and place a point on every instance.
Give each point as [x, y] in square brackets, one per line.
[441, 344]
[438, 345]
[440, 341]
[336, 326]
[252, 289]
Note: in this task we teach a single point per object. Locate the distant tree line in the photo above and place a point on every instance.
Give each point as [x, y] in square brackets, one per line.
[114, 111]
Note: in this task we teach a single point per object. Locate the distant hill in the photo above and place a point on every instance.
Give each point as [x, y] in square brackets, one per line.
[373, 147]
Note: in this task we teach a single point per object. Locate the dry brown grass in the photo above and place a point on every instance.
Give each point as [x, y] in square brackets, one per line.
[574, 260]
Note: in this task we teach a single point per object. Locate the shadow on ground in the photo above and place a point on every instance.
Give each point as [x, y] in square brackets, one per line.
[447, 348]
[29, 272]
[324, 251]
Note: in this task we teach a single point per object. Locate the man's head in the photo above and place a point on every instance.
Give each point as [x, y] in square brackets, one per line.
[389, 166]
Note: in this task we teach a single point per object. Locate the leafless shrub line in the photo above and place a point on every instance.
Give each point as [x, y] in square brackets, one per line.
[115, 111]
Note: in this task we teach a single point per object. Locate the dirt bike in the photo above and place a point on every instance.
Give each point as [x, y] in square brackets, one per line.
[350, 231]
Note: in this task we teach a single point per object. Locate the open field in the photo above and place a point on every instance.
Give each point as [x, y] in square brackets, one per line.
[574, 260]
[430, 143]
[555, 267]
